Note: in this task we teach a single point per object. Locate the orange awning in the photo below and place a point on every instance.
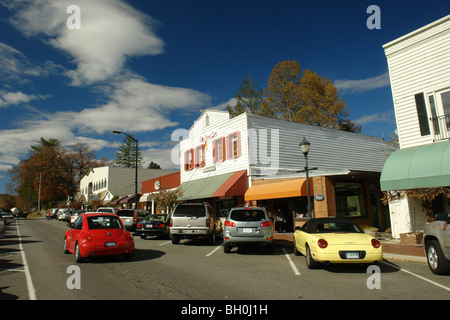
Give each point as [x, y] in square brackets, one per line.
[277, 190]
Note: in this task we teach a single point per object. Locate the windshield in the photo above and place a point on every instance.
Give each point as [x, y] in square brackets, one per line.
[156, 217]
[125, 213]
[103, 222]
[196, 210]
[331, 227]
[247, 215]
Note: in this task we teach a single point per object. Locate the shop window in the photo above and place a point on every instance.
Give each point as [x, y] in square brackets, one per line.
[349, 199]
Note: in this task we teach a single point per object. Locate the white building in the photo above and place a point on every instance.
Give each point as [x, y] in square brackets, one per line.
[230, 161]
[104, 183]
[419, 68]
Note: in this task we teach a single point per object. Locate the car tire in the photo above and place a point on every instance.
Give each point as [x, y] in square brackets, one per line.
[78, 257]
[143, 237]
[65, 246]
[310, 263]
[227, 247]
[175, 239]
[437, 262]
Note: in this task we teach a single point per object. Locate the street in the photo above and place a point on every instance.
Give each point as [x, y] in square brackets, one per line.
[193, 270]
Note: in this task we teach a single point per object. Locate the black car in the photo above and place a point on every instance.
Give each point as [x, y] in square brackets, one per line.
[154, 225]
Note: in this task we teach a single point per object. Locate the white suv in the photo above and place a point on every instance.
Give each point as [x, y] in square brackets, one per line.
[194, 220]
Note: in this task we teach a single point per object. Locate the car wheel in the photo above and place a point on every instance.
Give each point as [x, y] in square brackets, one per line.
[227, 247]
[310, 263]
[213, 238]
[78, 257]
[436, 260]
[175, 239]
[65, 245]
[143, 237]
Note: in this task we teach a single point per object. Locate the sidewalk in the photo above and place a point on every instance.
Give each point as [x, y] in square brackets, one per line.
[392, 249]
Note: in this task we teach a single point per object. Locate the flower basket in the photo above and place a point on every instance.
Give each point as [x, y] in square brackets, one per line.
[411, 238]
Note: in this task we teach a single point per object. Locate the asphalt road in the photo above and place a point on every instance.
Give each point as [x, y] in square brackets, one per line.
[33, 266]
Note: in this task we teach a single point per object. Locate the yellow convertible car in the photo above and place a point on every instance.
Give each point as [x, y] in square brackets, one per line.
[335, 240]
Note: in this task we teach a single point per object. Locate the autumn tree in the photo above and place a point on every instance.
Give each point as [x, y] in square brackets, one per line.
[248, 98]
[84, 158]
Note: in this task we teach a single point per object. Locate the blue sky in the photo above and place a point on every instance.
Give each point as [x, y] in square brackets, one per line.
[150, 67]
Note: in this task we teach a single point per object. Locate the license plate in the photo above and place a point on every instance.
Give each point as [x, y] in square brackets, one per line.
[110, 244]
[149, 226]
[247, 230]
[352, 255]
[189, 231]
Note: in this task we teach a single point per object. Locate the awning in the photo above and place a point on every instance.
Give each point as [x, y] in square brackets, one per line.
[229, 184]
[277, 190]
[426, 166]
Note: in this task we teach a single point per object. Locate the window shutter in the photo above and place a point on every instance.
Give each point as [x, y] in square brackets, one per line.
[424, 124]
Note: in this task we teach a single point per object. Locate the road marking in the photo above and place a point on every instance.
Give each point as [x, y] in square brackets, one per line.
[30, 286]
[417, 276]
[164, 243]
[294, 268]
[213, 251]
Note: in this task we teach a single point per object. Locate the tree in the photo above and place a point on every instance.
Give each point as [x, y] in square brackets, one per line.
[248, 98]
[126, 154]
[303, 96]
[84, 158]
[153, 165]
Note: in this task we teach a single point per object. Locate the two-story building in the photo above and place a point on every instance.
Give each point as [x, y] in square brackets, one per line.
[419, 68]
[253, 159]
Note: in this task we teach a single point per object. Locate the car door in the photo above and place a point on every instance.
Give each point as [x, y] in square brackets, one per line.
[446, 235]
[300, 238]
[75, 232]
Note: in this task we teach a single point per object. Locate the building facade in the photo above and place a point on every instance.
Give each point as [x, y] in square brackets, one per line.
[253, 159]
[419, 69]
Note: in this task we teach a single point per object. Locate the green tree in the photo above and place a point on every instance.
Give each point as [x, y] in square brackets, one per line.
[126, 154]
[153, 165]
[248, 98]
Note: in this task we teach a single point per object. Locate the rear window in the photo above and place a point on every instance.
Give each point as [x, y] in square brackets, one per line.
[103, 222]
[190, 210]
[247, 215]
[125, 213]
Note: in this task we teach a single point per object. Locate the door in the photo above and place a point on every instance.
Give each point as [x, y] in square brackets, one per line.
[75, 232]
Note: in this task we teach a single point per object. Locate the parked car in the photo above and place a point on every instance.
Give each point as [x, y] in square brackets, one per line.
[53, 213]
[130, 217]
[64, 214]
[247, 225]
[2, 227]
[154, 225]
[106, 210]
[98, 234]
[7, 216]
[436, 242]
[335, 240]
[194, 220]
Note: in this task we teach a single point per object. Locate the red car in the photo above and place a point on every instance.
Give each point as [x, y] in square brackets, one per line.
[98, 234]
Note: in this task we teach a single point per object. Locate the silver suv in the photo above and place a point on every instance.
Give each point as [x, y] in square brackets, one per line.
[436, 242]
[194, 220]
[248, 225]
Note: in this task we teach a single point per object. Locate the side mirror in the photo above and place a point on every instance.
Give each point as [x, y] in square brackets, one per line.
[298, 228]
[442, 216]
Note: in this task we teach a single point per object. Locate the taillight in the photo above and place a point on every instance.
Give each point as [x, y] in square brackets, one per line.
[171, 222]
[88, 238]
[161, 226]
[322, 243]
[208, 222]
[128, 237]
[375, 243]
[229, 224]
[265, 224]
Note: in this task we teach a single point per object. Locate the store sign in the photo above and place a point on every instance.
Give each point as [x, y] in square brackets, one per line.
[319, 197]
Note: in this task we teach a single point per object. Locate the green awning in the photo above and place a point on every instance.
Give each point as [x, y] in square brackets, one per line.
[233, 183]
[426, 166]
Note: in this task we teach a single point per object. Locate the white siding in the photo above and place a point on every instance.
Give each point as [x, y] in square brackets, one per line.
[418, 62]
[330, 149]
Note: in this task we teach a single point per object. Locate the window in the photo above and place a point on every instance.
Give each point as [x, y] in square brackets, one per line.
[200, 156]
[189, 160]
[234, 145]
[219, 152]
[422, 114]
[349, 198]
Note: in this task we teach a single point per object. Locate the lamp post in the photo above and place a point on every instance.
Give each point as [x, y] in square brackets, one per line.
[304, 147]
[136, 167]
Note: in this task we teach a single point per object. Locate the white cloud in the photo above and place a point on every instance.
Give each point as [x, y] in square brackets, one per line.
[111, 31]
[376, 117]
[13, 98]
[363, 85]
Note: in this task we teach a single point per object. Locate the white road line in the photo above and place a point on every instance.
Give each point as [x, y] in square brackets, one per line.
[30, 286]
[417, 276]
[164, 243]
[294, 268]
[214, 251]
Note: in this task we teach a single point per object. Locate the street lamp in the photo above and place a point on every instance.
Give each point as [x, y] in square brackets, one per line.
[304, 147]
[136, 169]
